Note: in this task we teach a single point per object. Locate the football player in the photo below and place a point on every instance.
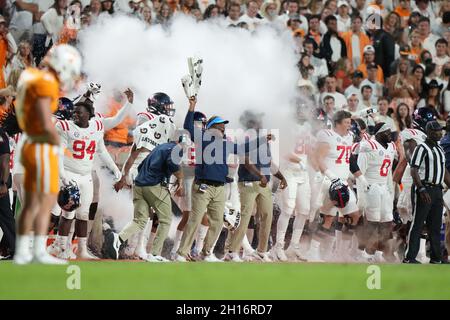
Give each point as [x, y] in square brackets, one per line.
[82, 139]
[372, 171]
[157, 128]
[297, 196]
[332, 156]
[38, 92]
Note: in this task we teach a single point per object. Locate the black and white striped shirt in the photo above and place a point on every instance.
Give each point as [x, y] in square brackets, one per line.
[430, 160]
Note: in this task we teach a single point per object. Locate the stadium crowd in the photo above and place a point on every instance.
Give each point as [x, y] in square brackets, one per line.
[373, 74]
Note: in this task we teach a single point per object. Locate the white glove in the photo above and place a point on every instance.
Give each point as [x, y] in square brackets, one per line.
[330, 175]
[94, 89]
[188, 86]
[195, 65]
[362, 183]
[318, 177]
[117, 174]
[302, 166]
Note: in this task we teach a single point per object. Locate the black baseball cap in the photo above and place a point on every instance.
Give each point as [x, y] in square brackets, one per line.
[358, 74]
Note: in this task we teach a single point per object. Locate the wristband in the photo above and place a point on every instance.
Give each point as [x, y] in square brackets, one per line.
[422, 189]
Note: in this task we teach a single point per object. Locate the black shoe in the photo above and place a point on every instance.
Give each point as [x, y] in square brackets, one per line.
[112, 245]
[439, 262]
[412, 261]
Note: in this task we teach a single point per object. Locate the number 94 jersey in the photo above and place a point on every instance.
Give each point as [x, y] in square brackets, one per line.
[338, 158]
[80, 144]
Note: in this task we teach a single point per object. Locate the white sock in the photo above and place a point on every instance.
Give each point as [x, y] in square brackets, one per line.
[82, 245]
[177, 240]
[423, 248]
[140, 243]
[23, 245]
[201, 234]
[282, 224]
[246, 245]
[40, 245]
[299, 224]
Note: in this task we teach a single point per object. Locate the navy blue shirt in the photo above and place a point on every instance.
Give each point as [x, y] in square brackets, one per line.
[158, 166]
[261, 160]
[211, 162]
[445, 144]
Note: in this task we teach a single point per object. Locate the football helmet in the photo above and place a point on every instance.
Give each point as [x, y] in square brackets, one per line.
[160, 103]
[339, 193]
[65, 60]
[69, 197]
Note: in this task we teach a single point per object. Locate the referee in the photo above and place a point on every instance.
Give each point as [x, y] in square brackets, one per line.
[428, 172]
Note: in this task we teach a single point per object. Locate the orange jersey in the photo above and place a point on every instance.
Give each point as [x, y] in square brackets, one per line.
[33, 84]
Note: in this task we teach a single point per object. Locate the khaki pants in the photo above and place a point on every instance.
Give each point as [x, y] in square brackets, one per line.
[212, 201]
[144, 198]
[263, 198]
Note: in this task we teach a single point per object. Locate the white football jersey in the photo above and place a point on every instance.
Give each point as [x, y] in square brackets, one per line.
[338, 158]
[80, 144]
[375, 162]
[304, 140]
[418, 136]
[156, 130]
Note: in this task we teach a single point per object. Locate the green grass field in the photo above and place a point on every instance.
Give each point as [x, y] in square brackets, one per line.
[135, 280]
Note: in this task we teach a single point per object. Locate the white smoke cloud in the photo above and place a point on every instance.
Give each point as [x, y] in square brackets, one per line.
[241, 70]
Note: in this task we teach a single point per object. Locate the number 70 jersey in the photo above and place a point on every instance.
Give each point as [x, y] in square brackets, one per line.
[338, 158]
[80, 144]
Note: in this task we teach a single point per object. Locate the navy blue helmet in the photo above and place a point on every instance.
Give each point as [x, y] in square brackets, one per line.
[160, 103]
[422, 116]
[65, 109]
[339, 193]
[69, 197]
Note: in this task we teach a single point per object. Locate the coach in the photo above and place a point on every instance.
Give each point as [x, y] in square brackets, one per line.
[208, 190]
[428, 172]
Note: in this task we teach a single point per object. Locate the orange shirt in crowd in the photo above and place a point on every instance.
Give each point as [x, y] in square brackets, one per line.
[380, 76]
[363, 41]
[67, 35]
[3, 57]
[119, 133]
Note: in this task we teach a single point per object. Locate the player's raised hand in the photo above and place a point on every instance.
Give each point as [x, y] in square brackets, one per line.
[130, 95]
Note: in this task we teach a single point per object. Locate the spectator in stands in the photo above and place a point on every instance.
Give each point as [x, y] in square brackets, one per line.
[186, 6]
[164, 15]
[330, 90]
[369, 57]
[251, 17]
[402, 85]
[343, 72]
[355, 87]
[332, 47]
[428, 39]
[107, 7]
[377, 87]
[22, 59]
[441, 57]
[382, 115]
[402, 117]
[314, 29]
[320, 65]
[384, 45]
[53, 21]
[269, 11]
[21, 22]
[146, 15]
[211, 12]
[117, 137]
[431, 98]
[343, 17]
[356, 40]
[7, 49]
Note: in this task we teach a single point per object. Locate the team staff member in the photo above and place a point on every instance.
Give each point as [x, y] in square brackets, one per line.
[254, 188]
[151, 191]
[38, 93]
[208, 190]
[428, 172]
[7, 223]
